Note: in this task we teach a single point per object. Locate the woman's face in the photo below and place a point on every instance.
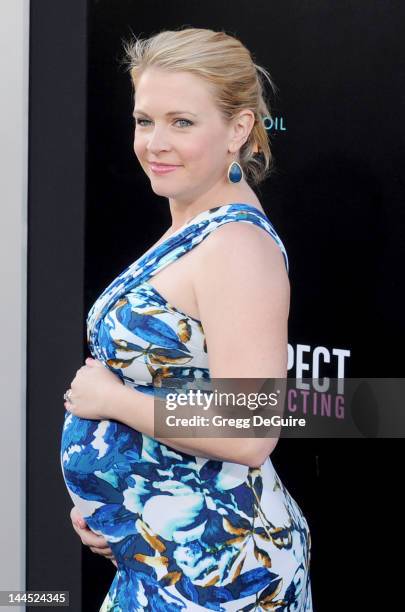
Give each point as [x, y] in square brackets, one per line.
[178, 123]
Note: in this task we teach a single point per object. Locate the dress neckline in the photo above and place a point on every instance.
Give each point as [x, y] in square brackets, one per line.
[215, 208]
[148, 259]
[192, 221]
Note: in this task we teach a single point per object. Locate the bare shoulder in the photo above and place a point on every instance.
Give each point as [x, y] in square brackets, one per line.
[242, 286]
[243, 247]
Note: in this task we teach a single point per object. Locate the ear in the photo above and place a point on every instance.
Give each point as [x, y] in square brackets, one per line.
[241, 127]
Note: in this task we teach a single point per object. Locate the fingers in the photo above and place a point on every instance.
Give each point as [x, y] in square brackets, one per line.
[87, 536]
[91, 539]
[97, 543]
[77, 518]
[104, 552]
[93, 362]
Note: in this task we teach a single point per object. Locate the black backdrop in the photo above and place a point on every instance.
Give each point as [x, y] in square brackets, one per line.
[337, 201]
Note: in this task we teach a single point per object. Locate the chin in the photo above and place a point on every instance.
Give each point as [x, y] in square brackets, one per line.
[163, 191]
[160, 188]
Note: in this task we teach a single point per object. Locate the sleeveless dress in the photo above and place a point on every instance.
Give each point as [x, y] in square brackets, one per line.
[188, 533]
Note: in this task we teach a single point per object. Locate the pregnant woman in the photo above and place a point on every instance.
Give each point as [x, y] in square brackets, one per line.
[192, 523]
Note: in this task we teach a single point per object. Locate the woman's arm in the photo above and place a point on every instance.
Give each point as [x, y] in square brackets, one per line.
[243, 295]
[136, 409]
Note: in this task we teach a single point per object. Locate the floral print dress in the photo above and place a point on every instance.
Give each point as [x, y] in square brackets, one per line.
[188, 533]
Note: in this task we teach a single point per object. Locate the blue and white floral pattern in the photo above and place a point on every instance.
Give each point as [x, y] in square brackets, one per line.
[188, 533]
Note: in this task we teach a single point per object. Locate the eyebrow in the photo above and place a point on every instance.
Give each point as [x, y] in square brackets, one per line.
[179, 112]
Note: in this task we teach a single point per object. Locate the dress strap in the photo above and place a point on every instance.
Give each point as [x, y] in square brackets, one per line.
[171, 249]
[199, 228]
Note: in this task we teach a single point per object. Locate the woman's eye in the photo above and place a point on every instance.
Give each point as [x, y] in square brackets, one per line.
[141, 121]
[187, 121]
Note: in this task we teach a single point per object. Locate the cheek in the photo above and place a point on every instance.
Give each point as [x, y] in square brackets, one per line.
[202, 150]
[139, 146]
[206, 154]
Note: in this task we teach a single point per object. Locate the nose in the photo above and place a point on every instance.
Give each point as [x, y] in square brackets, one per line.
[158, 140]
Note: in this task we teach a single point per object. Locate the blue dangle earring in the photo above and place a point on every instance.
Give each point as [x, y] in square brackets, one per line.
[235, 172]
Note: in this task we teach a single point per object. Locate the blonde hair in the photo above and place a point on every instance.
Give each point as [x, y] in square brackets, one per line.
[236, 81]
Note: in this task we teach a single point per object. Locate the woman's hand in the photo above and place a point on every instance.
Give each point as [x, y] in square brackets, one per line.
[97, 543]
[91, 391]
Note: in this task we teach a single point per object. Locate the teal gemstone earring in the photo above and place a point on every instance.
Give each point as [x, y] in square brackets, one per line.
[235, 172]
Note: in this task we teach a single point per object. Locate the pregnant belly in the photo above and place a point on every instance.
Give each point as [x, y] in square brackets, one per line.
[115, 475]
[167, 513]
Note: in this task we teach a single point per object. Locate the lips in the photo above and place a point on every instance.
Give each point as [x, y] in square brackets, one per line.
[161, 165]
[161, 168]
